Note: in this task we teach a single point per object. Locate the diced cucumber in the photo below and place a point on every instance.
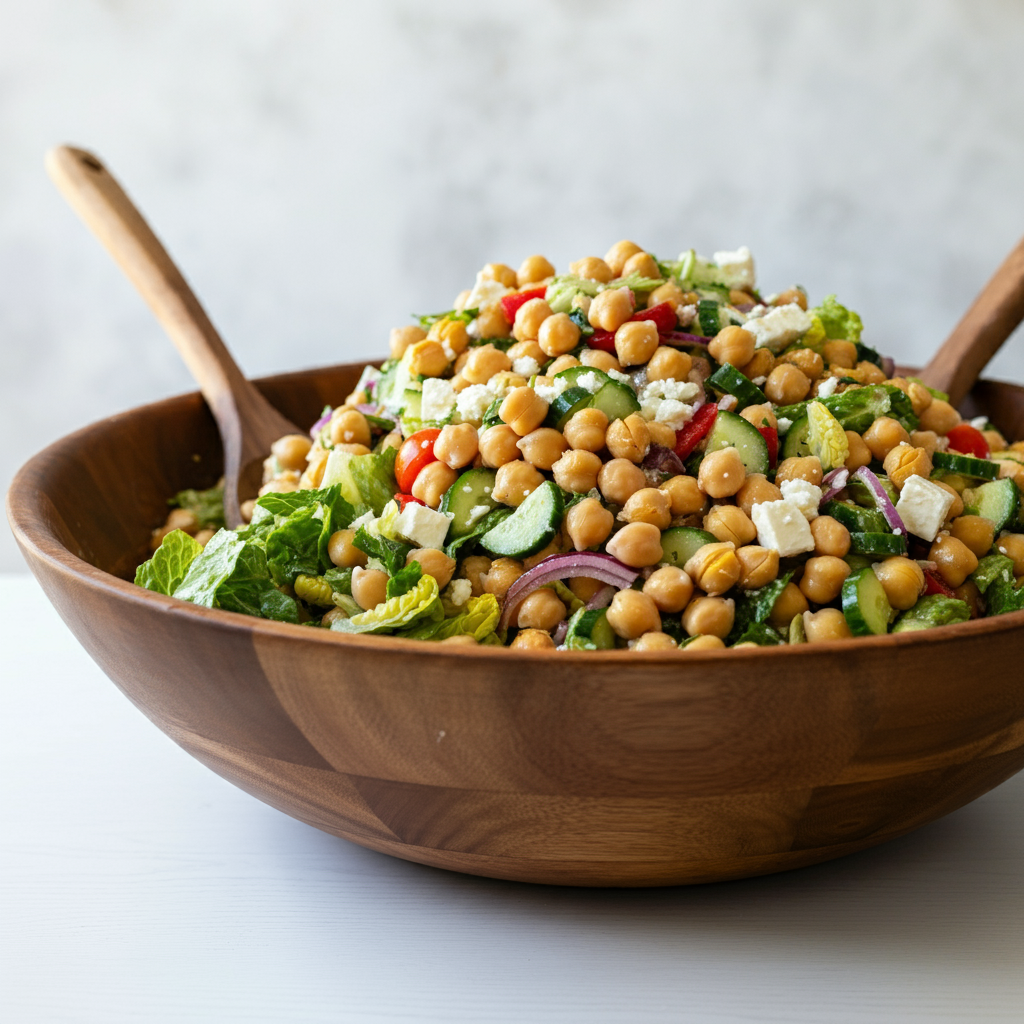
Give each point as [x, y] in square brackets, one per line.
[574, 373]
[680, 543]
[865, 607]
[709, 316]
[882, 544]
[955, 480]
[469, 499]
[795, 445]
[966, 465]
[569, 402]
[856, 562]
[411, 404]
[855, 518]
[997, 500]
[531, 527]
[733, 431]
[616, 401]
[590, 631]
[727, 380]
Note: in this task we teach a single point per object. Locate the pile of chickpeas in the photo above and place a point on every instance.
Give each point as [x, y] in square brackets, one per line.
[624, 513]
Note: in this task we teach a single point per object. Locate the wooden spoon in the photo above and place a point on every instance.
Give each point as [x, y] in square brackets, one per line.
[992, 318]
[248, 423]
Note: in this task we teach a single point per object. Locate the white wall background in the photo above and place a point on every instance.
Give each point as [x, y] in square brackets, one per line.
[322, 169]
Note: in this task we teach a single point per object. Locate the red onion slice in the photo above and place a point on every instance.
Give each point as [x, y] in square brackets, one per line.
[659, 460]
[682, 338]
[888, 366]
[832, 483]
[314, 431]
[602, 598]
[562, 567]
[882, 501]
[560, 631]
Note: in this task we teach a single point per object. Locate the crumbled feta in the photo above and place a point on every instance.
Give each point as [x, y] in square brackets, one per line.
[526, 366]
[680, 390]
[422, 526]
[473, 402]
[366, 519]
[758, 311]
[438, 399]
[476, 512]
[736, 268]
[804, 494]
[665, 401]
[549, 392]
[778, 328]
[782, 526]
[923, 507]
[591, 382]
[759, 381]
[827, 387]
[686, 314]
[979, 422]
[783, 424]
[485, 293]
[674, 414]
[459, 592]
[622, 378]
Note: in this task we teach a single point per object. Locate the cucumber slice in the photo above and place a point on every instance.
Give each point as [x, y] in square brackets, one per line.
[855, 518]
[998, 501]
[966, 465]
[863, 495]
[709, 316]
[865, 607]
[878, 544]
[569, 402]
[469, 500]
[574, 373]
[680, 543]
[727, 380]
[590, 631]
[411, 402]
[733, 431]
[616, 401]
[796, 445]
[531, 527]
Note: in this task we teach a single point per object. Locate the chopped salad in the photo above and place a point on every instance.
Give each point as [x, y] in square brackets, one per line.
[635, 453]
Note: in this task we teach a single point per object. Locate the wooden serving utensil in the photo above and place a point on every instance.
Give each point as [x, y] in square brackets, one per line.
[248, 423]
[991, 319]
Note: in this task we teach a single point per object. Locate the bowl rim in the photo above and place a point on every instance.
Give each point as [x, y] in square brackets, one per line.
[28, 522]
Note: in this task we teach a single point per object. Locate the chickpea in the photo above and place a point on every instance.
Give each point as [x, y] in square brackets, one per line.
[654, 641]
[499, 445]
[402, 337]
[827, 624]
[721, 473]
[590, 268]
[823, 578]
[576, 471]
[182, 519]
[562, 363]
[342, 552]
[632, 613]
[730, 523]
[483, 363]
[636, 341]
[349, 427]
[474, 569]
[247, 509]
[1012, 546]
[714, 568]
[705, 642]
[1013, 470]
[541, 610]
[756, 489]
[499, 272]
[969, 593]
[995, 441]
[332, 615]
[618, 479]
[806, 360]
[611, 309]
[840, 354]
[369, 587]
[533, 270]
[661, 433]
[958, 502]
[669, 363]
[685, 495]
[585, 587]
[761, 364]
[830, 537]
[543, 447]
[807, 467]
[433, 563]
[636, 545]
[600, 360]
[629, 438]
[283, 484]
[669, 292]
[558, 335]
[291, 450]
[732, 345]
[491, 323]
[451, 333]
[790, 603]
[529, 318]
[532, 640]
[902, 580]
[920, 397]
[787, 384]
[427, 358]
[588, 524]
[457, 445]
[709, 616]
[616, 256]
[352, 449]
[955, 559]
[905, 461]
[940, 416]
[860, 453]
[501, 575]
[586, 430]
[514, 481]
[760, 416]
[641, 263]
[758, 566]
[883, 435]
[869, 373]
[523, 410]
[648, 505]
[432, 481]
[670, 588]
[795, 295]
[203, 537]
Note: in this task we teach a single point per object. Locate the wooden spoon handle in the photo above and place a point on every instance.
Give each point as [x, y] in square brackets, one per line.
[246, 420]
[991, 319]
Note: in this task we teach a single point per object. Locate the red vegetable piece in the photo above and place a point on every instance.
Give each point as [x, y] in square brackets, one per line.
[771, 438]
[602, 339]
[511, 303]
[968, 440]
[415, 453]
[935, 584]
[696, 430]
[404, 499]
[663, 315]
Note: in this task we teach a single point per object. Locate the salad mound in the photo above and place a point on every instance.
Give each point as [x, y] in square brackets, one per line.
[637, 454]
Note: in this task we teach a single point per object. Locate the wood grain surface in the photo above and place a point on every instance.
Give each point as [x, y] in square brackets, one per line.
[596, 769]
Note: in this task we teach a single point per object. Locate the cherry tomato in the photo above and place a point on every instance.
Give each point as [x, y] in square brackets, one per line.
[663, 315]
[602, 339]
[696, 430]
[968, 440]
[935, 584]
[511, 303]
[405, 499]
[416, 452]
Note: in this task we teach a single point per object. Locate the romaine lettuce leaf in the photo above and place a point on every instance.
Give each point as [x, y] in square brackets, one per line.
[293, 546]
[754, 606]
[390, 553]
[839, 322]
[565, 287]
[826, 437]
[404, 580]
[992, 568]
[366, 482]
[169, 564]
[421, 604]
[932, 610]
[1002, 596]
[478, 620]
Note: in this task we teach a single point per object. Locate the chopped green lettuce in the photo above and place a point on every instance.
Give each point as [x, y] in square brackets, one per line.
[760, 633]
[636, 283]
[404, 580]
[427, 320]
[754, 606]
[293, 546]
[992, 568]
[418, 605]
[207, 506]
[857, 408]
[391, 554]
[169, 564]
[366, 482]
[838, 321]
[564, 288]
[340, 580]
[933, 610]
[826, 437]
[1003, 596]
[478, 620]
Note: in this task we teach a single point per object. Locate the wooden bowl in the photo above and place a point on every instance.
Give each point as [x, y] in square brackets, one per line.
[609, 768]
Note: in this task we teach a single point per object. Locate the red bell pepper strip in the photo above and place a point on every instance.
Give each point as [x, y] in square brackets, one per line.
[510, 303]
[663, 315]
[935, 584]
[968, 440]
[603, 340]
[404, 499]
[416, 452]
[696, 430]
[771, 439]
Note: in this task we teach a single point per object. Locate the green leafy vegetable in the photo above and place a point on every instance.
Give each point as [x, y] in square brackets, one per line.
[427, 320]
[169, 564]
[390, 553]
[420, 604]
[1002, 597]
[293, 547]
[760, 633]
[207, 506]
[579, 318]
[564, 288]
[340, 580]
[478, 620]
[754, 607]
[992, 568]
[838, 321]
[404, 580]
[933, 610]
[366, 482]
[488, 522]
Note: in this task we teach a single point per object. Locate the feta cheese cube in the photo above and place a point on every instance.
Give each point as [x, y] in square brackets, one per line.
[438, 399]
[827, 387]
[485, 293]
[472, 402]
[736, 268]
[784, 423]
[422, 526]
[674, 414]
[923, 507]
[804, 494]
[782, 526]
[779, 327]
[367, 519]
[459, 592]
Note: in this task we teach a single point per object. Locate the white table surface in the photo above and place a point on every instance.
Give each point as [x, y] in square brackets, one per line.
[139, 886]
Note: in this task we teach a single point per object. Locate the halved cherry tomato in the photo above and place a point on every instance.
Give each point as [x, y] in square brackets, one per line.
[663, 315]
[968, 440]
[696, 430]
[405, 499]
[771, 439]
[416, 452]
[511, 303]
[935, 584]
[602, 339]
